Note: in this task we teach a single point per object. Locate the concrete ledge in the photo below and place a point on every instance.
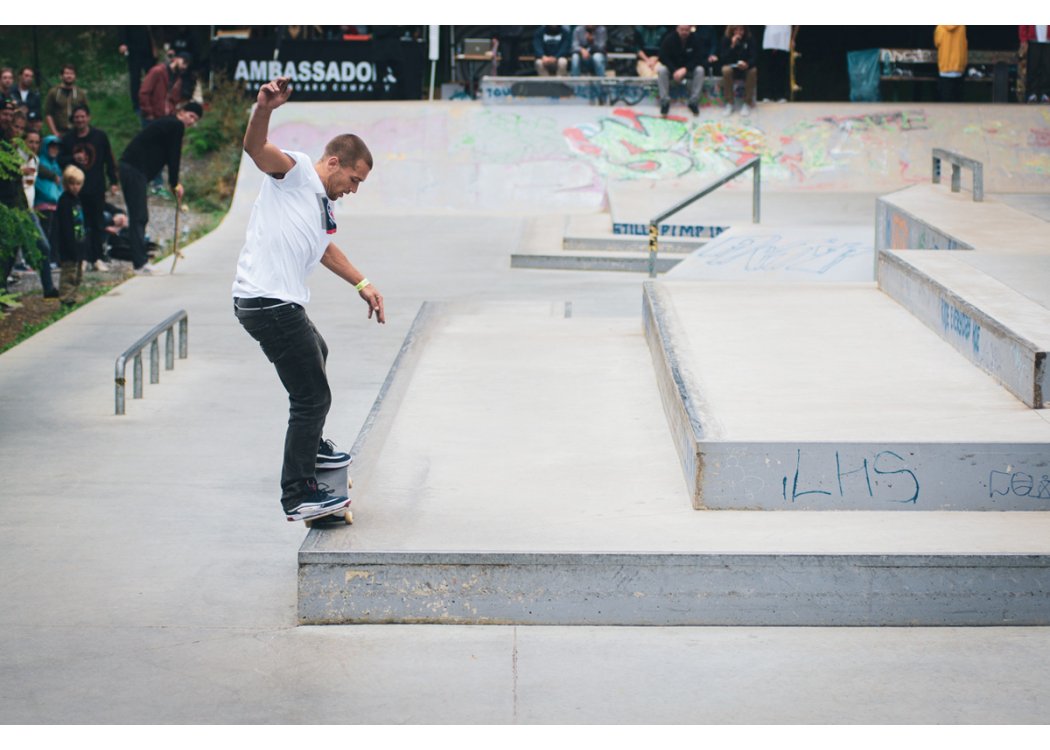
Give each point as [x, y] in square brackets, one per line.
[596, 261]
[785, 473]
[618, 243]
[931, 217]
[675, 589]
[998, 329]
[679, 393]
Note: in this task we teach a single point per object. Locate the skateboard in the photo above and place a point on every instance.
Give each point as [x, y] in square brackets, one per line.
[343, 516]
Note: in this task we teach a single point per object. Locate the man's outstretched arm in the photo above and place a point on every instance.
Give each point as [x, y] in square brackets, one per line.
[266, 155]
[335, 260]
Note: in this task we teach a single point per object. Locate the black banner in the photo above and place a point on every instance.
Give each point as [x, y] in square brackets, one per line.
[326, 70]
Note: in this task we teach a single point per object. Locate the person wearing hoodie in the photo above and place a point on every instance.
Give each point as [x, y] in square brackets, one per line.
[950, 42]
[48, 182]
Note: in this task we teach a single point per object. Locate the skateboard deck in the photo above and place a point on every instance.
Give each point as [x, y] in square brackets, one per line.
[334, 478]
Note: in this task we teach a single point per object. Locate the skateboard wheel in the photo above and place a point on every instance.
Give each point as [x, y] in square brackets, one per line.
[348, 517]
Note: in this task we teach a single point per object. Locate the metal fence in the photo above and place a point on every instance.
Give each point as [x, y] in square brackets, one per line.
[135, 351]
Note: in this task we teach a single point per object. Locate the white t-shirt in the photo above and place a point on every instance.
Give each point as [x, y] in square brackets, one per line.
[287, 235]
[777, 37]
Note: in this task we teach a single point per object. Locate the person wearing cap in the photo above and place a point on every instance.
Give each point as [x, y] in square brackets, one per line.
[155, 94]
[158, 144]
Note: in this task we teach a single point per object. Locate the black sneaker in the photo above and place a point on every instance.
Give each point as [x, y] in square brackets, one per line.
[320, 501]
[665, 107]
[330, 458]
[694, 108]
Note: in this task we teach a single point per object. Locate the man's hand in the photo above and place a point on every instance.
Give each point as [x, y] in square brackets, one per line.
[179, 191]
[375, 303]
[275, 93]
[679, 75]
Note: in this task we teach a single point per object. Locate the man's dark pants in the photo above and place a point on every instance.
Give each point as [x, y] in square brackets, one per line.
[94, 205]
[133, 185]
[292, 343]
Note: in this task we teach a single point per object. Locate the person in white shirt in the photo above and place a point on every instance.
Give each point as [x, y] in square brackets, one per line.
[287, 237]
[776, 51]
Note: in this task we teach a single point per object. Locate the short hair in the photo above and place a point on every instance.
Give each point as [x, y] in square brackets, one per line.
[349, 149]
[24, 68]
[72, 175]
[194, 107]
[77, 108]
[7, 70]
[68, 66]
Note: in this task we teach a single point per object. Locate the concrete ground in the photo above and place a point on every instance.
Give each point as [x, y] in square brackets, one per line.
[150, 578]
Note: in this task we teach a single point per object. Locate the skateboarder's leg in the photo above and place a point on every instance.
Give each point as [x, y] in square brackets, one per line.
[298, 352]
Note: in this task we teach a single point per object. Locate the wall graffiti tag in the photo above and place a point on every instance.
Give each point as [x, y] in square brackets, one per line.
[885, 475]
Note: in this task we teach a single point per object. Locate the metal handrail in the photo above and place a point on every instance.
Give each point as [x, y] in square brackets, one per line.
[958, 161]
[135, 350]
[756, 205]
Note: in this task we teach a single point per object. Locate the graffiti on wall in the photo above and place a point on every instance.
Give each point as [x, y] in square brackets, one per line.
[633, 145]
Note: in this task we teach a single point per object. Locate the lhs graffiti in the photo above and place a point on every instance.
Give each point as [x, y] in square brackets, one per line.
[885, 477]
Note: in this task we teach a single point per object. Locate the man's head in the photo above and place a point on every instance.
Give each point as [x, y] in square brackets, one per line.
[180, 63]
[18, 124]
[7, 79]
[32, 140]
[683, 32]
[69, 75]
[25, 78]
[345, 165]
[7, 110]
[81, 119]
[190, 113]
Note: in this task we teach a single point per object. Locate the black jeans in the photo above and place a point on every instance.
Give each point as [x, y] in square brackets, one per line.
[292, 343]
[133, 185]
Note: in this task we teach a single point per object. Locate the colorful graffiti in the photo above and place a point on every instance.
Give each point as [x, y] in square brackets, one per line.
[629, 145]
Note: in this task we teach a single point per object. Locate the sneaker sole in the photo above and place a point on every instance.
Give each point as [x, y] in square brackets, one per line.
[320, 513]
[334, 464]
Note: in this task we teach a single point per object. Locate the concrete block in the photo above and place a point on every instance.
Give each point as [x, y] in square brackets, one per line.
[1000, 330]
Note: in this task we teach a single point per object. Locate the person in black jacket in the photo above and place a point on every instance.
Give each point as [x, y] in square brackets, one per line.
[683, 54]
[69, 235]
[88, 148]
[158, 144]
[739, 58]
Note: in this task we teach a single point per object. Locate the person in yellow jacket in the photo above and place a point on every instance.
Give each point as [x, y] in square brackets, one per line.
[950, 42]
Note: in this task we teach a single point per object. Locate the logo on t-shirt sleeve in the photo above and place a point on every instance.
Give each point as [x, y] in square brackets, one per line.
[327, 215]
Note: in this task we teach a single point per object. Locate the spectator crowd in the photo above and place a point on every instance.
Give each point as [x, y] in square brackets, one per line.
[69, 170]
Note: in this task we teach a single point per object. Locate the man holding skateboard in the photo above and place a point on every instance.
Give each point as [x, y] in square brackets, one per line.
[288, 235]
[156, 145]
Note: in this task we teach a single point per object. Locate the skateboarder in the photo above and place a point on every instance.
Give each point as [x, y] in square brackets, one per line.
[288, 235]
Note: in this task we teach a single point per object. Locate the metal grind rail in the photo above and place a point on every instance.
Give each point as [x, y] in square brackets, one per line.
[152, 339]
[958, 161]
[756, 205]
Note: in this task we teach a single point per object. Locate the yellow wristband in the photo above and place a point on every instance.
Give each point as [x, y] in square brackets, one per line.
[362, 284]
